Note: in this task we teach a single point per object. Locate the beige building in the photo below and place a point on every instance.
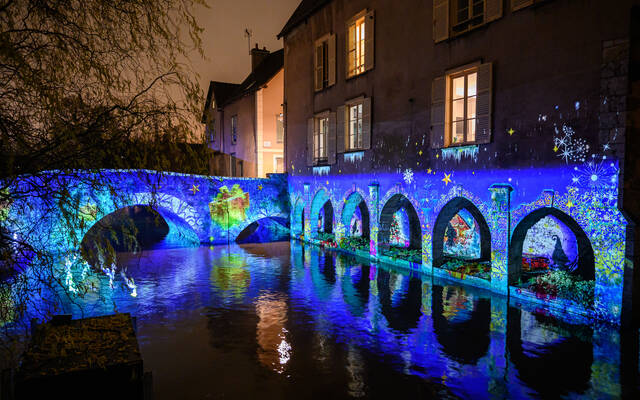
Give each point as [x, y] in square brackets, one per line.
[244, 122]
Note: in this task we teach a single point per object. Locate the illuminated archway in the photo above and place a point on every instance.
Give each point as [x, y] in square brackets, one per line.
[399, 203]
[138, 226]
[584, 264]
[321, 213]
[297, 223]
[355, 216]
[479, 249]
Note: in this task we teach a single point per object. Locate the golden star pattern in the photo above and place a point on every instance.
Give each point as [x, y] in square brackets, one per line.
[195, 188]
[446, 179]
[511, 131]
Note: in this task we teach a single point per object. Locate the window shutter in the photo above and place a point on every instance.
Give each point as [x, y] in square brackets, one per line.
[331, 139]
[493, 10]
[483, 123]
[518, 4]
[440, 20]
[331, 51]
[310, 128]
[438, 101]
[347, 60]
[366, 123]
[340, 125]
[369, 25]
[318, 61]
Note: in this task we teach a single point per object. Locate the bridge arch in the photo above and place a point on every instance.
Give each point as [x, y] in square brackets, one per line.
[443, 226]
[119, 224]
[585, 263]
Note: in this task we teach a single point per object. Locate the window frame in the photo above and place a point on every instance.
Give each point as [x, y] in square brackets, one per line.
[469, 22]
[465, 72]
[359, 136]
[280, 128]
[360, 69]
[321, 159]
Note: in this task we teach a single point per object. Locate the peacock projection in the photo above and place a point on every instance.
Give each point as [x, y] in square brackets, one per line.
[559, 257]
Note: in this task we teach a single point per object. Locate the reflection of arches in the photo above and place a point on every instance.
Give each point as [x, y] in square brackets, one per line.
[465, 336]
[354, 202]
[553, 369]
[396, 202]
[297, 223]
[355, 287]
[404, 314]
[586, 263]
[269, 229]
[320, 202]
[442, 222]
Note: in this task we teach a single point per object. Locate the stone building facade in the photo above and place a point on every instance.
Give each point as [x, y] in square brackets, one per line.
[484, 131]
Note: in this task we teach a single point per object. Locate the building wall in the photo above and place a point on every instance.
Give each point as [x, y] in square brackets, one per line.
[245, 148]
[272, 99]
[530, 79]
[558, 128]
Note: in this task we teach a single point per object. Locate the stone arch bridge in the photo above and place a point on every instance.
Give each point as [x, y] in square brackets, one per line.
[53, 211]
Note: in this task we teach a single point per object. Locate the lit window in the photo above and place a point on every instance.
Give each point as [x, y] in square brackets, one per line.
[356, 47]
[320, 133]
[462, 106]
[467, 14]
[280, 128]
[234, 129]
[355, 126]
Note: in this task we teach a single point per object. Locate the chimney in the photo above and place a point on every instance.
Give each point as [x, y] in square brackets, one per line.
[257, 55]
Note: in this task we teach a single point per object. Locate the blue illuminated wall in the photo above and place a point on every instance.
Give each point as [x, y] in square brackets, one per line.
[197, 209]
[584, 193]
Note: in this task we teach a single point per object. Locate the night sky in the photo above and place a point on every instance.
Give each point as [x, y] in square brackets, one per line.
[224, 42]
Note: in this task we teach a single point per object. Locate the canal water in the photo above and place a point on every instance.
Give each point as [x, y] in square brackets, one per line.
[283, 320]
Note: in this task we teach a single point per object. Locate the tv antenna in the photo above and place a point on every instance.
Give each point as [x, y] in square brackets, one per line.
[248, 33]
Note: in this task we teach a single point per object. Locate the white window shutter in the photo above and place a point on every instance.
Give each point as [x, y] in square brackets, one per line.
[440, 20]
[438, 112]
[310, 128]
[483, 110]
[317, 66]
[369, 35]
[340, 129]
[331, 64]
[331, 139]
[518, 4]
[366, 123]
[492, 10]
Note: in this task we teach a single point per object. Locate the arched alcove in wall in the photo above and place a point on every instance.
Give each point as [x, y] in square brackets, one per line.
[399, 224]
[552, 240]
[461, 233]
[355, 216]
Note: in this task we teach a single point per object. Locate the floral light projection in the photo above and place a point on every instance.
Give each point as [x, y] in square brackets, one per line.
[229, 208]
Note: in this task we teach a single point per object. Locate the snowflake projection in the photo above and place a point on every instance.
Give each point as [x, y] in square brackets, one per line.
[568, 146]
[600, 175]
[407, 175]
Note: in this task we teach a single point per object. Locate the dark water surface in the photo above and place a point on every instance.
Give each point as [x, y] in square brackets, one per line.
[280, 320]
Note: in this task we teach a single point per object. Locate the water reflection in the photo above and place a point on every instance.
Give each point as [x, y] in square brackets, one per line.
[274, 351]
[292, 321]
[461, 323]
